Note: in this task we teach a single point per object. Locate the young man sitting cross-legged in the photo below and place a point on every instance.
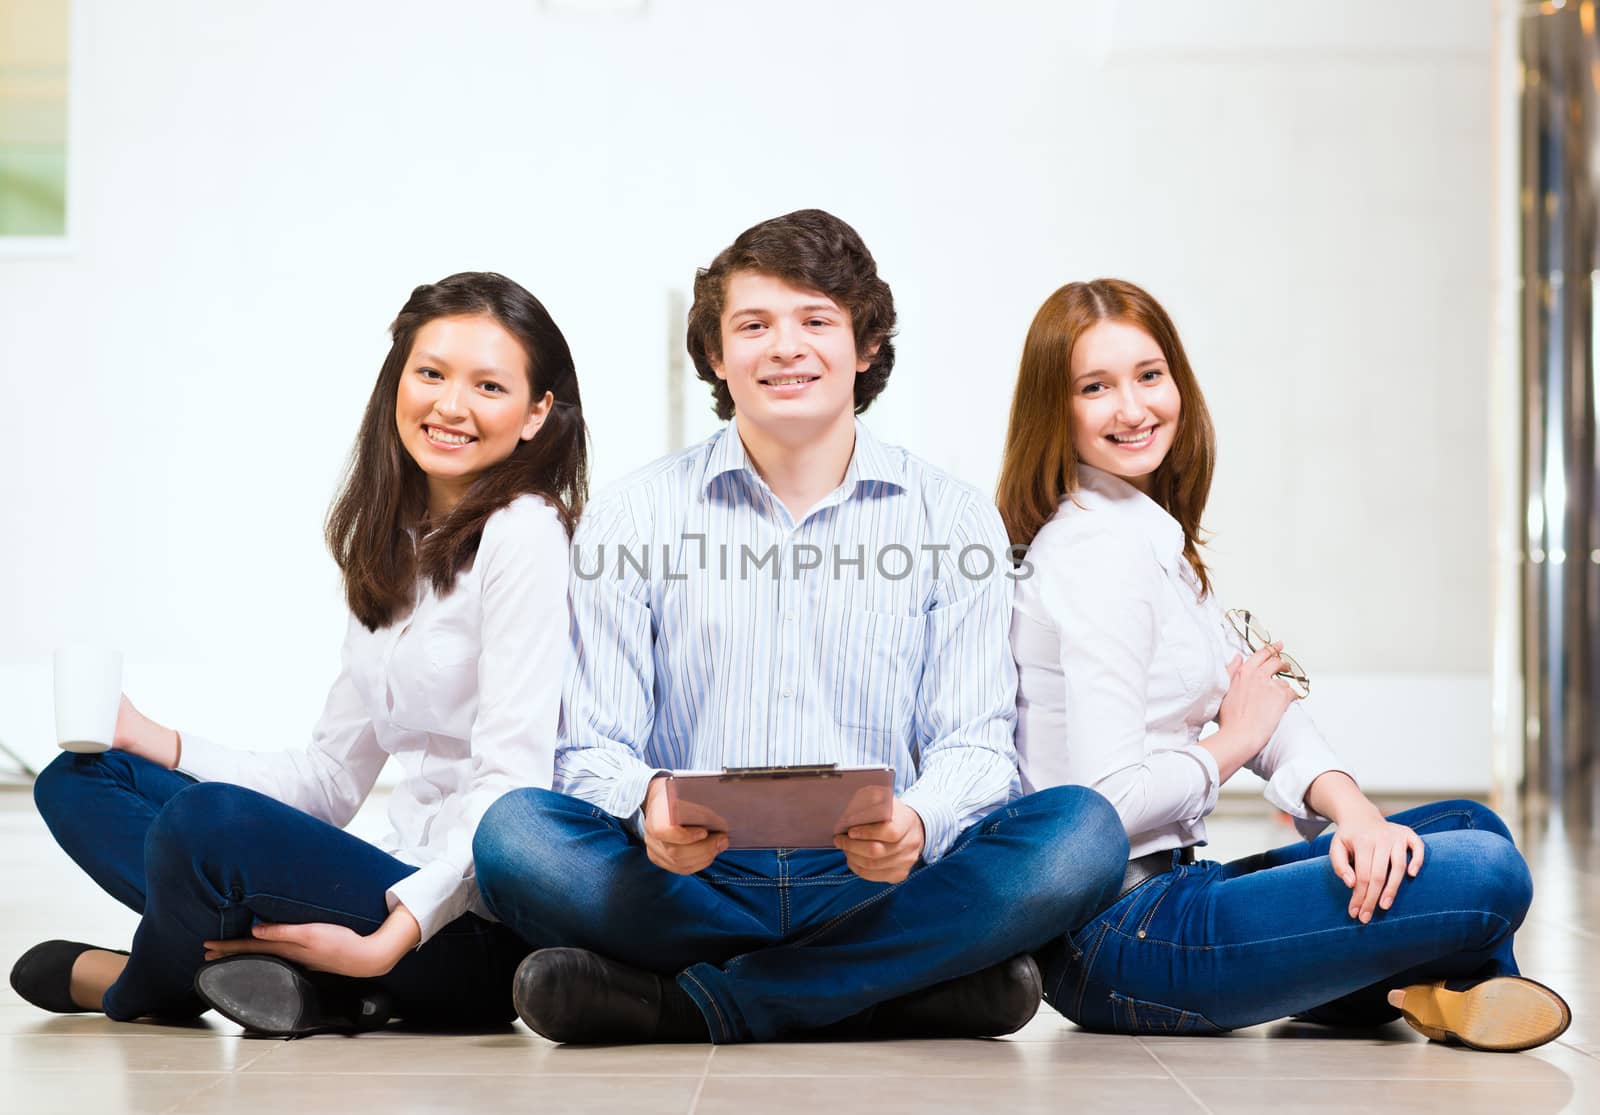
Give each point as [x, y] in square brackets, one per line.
[690, 656]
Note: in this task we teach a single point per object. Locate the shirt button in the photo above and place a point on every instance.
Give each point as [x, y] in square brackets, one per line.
[788, 615]
[788, 692]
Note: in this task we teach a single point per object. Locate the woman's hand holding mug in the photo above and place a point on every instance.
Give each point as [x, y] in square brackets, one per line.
[138, 735]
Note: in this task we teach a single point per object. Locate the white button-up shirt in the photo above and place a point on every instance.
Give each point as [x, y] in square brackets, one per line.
[712, 629]
[1121, 663]
[464, 692]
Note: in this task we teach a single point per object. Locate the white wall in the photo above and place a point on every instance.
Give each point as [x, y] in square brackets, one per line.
[258, 187]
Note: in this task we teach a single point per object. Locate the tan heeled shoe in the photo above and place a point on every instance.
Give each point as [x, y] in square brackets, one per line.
[1504, 1014]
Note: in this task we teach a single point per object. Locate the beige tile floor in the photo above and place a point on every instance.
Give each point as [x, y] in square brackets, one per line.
[84, 1064]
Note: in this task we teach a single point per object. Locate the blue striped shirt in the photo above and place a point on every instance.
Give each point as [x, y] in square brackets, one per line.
[710, 630]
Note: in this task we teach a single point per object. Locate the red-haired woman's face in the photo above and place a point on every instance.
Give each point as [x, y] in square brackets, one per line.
[1125, 404]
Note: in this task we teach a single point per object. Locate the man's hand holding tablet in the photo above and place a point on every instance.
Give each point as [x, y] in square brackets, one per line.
[823, 805]
[680, 849]
[886, 852]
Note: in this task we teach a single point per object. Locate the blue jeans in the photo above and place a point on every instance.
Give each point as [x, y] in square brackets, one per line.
[1211, 946]
[207, 860]
[775, 943]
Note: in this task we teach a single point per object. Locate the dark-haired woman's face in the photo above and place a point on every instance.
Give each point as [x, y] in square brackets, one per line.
[464, 403]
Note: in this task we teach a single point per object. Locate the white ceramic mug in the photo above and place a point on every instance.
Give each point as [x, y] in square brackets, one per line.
[88, 692]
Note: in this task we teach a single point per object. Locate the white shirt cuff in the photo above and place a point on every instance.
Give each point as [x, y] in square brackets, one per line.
[206, 760]
[1212, 779]
[435, 894]
[1286, 790]
[631, 788]
[938, 821]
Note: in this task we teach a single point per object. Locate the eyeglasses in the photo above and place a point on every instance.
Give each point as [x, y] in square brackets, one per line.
[1256, 636]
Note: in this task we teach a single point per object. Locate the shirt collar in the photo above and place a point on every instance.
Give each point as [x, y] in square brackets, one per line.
[726, 455]
[871, 460]
[1164, 533]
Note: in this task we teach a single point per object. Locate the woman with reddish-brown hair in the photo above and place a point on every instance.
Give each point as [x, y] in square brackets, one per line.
[1124, 656]
[452, 532]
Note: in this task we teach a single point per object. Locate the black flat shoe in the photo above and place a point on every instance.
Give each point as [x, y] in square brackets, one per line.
[43, 975]
[986, 1004]
[275, 998]
[579, 997]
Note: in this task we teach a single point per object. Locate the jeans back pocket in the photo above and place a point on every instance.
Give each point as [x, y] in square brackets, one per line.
[1141, 1016]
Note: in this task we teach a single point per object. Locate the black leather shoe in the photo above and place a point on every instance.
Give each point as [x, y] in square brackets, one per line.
[986, 1004]
[580, 997]
[273, 997]
[43, 975]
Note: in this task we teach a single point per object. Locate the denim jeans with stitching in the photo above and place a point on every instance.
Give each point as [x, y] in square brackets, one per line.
[1209, 947]
[780, 942]
[207, 860]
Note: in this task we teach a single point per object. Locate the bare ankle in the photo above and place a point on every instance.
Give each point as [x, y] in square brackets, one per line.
[92, 972]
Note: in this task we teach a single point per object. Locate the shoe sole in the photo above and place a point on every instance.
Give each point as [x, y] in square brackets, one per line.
[1506, 1014]
[262, 994]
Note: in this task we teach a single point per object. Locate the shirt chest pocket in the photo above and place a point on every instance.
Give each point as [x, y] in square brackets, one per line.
[453, 687]
[1188, 647]
[432, 681]
[877, 666]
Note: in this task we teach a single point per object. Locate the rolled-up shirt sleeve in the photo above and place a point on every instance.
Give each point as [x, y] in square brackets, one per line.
[1295, 757]
[524, 558]
[328, 779]
[1096, 598]
[608, 705]
[966, 700]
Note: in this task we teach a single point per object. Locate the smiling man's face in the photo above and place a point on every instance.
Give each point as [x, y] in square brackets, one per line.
[788, 357]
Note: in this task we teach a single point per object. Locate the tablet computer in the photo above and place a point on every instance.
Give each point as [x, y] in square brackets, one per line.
[781, 807]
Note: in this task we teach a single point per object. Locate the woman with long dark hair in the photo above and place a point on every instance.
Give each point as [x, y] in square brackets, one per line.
[452, 532]
[1124, 655]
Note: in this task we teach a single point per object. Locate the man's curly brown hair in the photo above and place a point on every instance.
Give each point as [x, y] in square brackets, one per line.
[813, 250]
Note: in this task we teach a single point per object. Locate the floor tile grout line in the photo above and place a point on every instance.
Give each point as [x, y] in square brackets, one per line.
[263, 1073]
[705, 1074]
[1361, 1079]
[836, 1075]
[1064, 1075]
[167, 1071]
[196, 1094]
[113, 1036]
[1151, 1053]
[1580, 1050]
[513, 1076]
[267, 1052]
[1188, 1091]
[1166, 1074]
[1559, 924]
